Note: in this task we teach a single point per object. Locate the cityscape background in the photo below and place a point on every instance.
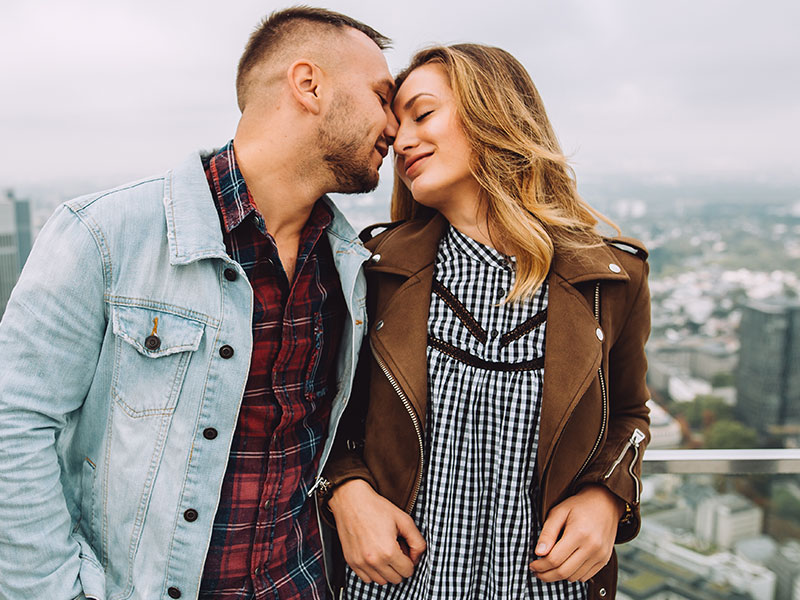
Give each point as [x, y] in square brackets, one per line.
[680, 119]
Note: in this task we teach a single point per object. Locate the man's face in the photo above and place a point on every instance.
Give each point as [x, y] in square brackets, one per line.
[359, 126]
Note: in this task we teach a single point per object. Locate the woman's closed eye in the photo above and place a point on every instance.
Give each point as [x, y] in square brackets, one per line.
[422, 116]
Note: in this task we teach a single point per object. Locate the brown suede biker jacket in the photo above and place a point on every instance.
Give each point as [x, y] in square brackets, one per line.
[594, 421]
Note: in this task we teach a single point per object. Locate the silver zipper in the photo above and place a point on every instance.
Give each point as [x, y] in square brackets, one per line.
[636, 438]
[414, 420]
[603, 393]
[321, 484]
[633, 475]
[324, 557]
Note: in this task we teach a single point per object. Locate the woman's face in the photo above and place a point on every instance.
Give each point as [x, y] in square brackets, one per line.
[431, 151]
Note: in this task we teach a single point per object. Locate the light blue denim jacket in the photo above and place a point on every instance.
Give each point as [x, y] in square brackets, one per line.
[102, 445]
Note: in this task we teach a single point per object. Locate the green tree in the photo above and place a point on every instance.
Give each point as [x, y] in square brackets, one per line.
[729, 435]
[705, 410]
[786, 504]
[723, 379]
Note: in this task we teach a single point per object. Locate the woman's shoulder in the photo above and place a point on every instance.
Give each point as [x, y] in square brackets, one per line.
[629, 245]
[377, 230]
[412, 234]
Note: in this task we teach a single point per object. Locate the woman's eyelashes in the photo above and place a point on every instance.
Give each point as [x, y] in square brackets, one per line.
[422, 116]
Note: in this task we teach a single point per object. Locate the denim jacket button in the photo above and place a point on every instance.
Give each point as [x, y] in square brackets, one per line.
[230, 274]
[174, 592]
[152, 342]
[210, 433]
[226, 351]
[190, 515]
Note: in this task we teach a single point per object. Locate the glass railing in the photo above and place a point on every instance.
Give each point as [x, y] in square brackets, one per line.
[716, 525]
[767, 460]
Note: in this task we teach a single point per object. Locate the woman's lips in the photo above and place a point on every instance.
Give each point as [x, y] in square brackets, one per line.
[414, 161]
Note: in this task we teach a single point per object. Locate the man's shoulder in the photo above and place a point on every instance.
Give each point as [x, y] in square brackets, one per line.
[141, 189]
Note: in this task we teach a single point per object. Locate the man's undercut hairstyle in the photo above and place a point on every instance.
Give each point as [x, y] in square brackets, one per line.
[282, 25]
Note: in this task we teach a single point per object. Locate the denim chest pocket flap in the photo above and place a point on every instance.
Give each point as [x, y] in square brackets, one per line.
[152, 353]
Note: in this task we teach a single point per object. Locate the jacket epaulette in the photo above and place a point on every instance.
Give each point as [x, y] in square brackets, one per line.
[366, 233]
[629, 245]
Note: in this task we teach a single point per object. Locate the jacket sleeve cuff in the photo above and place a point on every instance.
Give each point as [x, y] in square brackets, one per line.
[343, 468]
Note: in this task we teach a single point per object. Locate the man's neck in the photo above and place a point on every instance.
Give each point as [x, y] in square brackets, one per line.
[283, 191]
[283, 195]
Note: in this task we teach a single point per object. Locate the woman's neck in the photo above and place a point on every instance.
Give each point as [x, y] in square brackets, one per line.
[472, 220]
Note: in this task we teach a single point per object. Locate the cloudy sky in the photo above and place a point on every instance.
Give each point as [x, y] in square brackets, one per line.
[102, 91]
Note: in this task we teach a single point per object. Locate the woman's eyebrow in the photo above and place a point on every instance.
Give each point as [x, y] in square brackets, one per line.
[414, 98]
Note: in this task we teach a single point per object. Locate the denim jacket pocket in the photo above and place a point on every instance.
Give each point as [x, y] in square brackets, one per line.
[152, 352]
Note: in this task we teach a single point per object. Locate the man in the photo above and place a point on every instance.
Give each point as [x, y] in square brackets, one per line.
[178, 349]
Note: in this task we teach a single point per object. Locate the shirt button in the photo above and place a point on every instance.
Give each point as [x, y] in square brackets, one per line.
[379, 326]
[209, 433]
[266, 505]
[257, 571]
[602, 592]
[230, 274]
[494, 333]
[501, 294]
[375, 258]
[174, 592]
[226, 351]
[599, 333]
[190, 515]
[614, 268]
[152, 342]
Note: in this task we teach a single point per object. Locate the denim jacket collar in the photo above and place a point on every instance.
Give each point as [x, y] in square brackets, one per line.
[193, 230]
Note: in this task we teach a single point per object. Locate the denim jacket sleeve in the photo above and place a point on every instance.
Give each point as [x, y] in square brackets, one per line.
[50, 339]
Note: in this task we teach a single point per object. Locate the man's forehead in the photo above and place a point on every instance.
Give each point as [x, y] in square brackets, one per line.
[357, 47]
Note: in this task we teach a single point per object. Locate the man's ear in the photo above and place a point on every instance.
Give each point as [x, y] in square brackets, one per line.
[305, 79]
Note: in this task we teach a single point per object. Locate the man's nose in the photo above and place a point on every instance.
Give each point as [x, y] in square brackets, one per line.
[390, 131]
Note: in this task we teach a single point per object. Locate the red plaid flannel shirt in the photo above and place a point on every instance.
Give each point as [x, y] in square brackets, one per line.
[265, 541]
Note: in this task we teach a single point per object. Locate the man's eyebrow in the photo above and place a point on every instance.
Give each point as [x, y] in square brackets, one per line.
[414, 98]
[387, 84]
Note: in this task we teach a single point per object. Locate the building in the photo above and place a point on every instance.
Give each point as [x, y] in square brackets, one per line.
[768, 375]
[725, 519]
[665, 431]
[22, 216]
[9, 251]
[785, 563]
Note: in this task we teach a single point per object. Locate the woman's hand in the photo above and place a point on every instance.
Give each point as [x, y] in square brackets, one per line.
[369, 529]
[587, 526]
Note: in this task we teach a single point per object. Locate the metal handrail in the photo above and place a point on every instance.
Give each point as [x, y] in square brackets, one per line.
[762, 460]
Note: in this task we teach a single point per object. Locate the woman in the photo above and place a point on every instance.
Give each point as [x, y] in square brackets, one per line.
[493, 447]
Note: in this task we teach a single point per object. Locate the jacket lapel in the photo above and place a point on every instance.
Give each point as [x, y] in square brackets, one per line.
[573, 348]
[401, 342]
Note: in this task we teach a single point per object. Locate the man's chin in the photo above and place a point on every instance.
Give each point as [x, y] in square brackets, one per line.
[362, 184]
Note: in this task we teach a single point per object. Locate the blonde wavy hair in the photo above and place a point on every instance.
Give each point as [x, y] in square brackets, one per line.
[533, 206]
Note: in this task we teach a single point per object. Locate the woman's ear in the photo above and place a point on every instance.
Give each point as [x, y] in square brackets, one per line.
[305, 78]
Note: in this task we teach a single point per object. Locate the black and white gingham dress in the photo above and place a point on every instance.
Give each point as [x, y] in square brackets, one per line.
[475, 508]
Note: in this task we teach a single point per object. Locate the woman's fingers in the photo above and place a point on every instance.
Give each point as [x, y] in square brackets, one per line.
[587, 524]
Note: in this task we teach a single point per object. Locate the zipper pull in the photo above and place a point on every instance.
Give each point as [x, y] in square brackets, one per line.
[321, 484]
[619, 459]
[637, 437]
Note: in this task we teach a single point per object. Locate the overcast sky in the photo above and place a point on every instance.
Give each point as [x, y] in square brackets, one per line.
[666, 91]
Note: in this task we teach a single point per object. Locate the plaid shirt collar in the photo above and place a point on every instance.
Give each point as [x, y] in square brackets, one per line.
[233, 198]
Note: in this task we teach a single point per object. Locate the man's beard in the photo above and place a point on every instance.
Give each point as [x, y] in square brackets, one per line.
[346, 156]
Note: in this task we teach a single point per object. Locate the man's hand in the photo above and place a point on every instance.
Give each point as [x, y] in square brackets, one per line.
[578, 535]
[369, 527]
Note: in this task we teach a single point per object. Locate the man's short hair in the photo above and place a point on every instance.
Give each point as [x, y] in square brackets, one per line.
[281, 24]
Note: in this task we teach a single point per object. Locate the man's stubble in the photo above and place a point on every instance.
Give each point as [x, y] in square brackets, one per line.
[347, 148]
